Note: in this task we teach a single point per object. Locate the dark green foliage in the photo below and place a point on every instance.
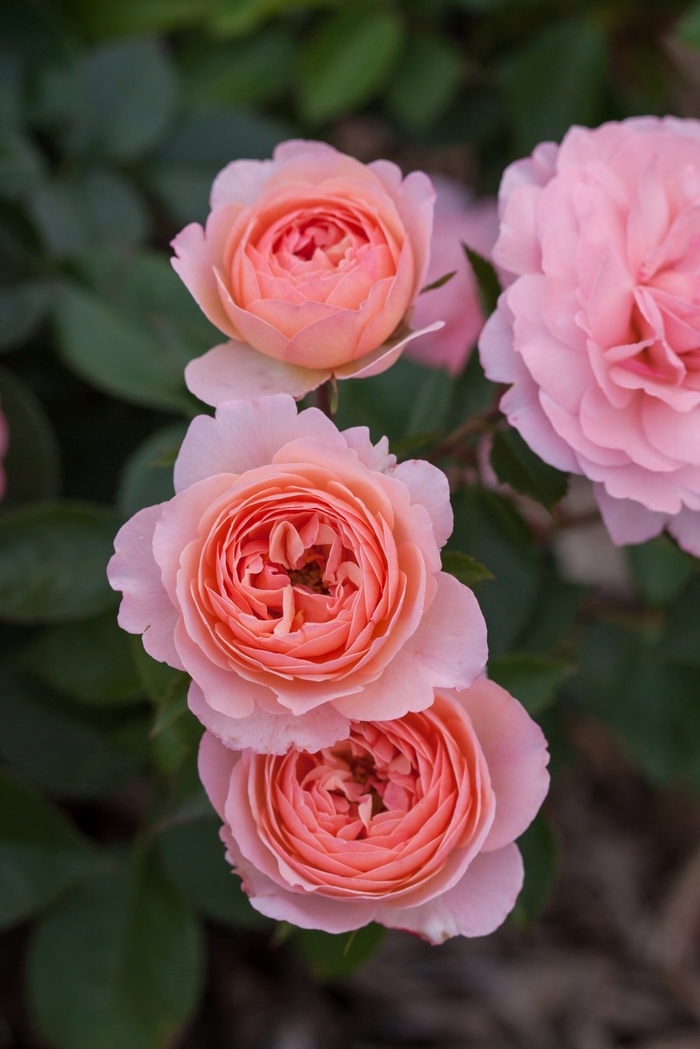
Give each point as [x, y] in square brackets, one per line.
[517, 465]
[114, 119]
[135, 968]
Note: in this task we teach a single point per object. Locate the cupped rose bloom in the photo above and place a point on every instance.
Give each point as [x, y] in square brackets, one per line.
[310, 263]
[458, 221]
[296, 577]
[599, 332]
[410, 822]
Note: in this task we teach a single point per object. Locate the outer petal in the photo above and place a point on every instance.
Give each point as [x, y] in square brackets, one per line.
[234, 370]
[383, 357]
[447, 650]
[685, 528]
[241, 182]
[373, 456]
[194, 266]
[215, 764]
[516, 754]
[627, 521]
[475, 906]
[267, 733]
[428, 486]
[246, 434]
[146, 608]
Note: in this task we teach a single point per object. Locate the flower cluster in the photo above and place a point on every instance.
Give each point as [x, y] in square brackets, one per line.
[363, 766]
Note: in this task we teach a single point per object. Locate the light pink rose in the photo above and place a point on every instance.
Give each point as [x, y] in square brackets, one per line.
[600, 330]
[296, 576]
[310, 263]
[457, 220]
[410, 822]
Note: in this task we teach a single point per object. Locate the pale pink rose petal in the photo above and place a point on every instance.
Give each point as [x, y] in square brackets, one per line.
[240, 182]
[382, 358]
[428, 486]
[246, 434]
[235, 370]
[628, 522]
[146, 608]
[193, 267]
[373, 456]
[215, 763]
[268, 733]
[516, 754]
[435, 656]
[685, 529]
[477, 905]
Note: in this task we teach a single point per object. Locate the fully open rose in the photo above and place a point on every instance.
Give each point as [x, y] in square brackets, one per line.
[410, 823]
[296, 576]
[310, 263]
[600, 332]
[458, 221]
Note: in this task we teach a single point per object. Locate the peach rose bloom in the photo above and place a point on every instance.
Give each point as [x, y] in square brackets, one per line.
[457, 220]
[309, 263]
[410, 822]
[599, 332]
[296, 577]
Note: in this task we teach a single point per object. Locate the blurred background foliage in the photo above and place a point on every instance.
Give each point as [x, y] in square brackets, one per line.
[114, 118]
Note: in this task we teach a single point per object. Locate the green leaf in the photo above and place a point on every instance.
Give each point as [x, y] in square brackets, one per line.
[332, 957]
[517, 465]
[439, 282]
[134, 17]
[117, 355]
[531, 678]
[158, 680]
[681, 637]
[660, 570]
[246, 72]
[554, 613]
[347, 61]
[555, 79]
[175, 733]
[426, 81]
[128, 97]
[539, 849]
[688, 28]
[57, 751]
[489, 528]
[431, 403]
[486, 278]
[193, 855]
[32, 461]
[53, 560]
[144, 480]
[89, 661]
[214, 137]
[22, 309]
[464, 567]
[118, 965]
[41, 853]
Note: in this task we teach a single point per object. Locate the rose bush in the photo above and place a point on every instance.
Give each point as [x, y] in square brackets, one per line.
[296, 576]
[310, 263]
[410, 822]
[599, 332]
[457, 220]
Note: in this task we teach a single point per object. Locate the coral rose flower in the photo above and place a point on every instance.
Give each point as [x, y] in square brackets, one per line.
[457, 220]
[296, 577]
[410, 823]
[600, 331]
[310, 263]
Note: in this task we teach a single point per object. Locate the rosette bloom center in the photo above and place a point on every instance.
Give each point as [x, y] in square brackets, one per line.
[381, 811]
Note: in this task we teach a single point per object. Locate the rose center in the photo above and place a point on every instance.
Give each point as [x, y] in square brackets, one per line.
[309, 575]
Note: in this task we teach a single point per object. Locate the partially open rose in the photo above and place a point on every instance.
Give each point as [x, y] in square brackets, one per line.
[296, 577]
[599, 332]
[410, 822]
[310, 263]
